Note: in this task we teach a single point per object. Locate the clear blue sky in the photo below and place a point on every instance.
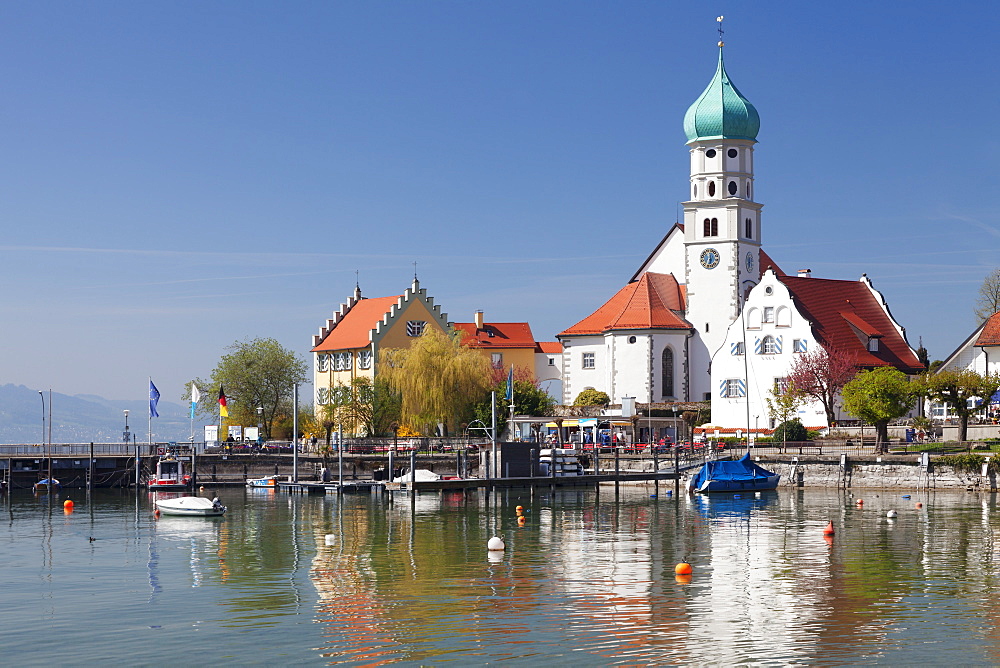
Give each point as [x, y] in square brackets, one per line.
[177, 176]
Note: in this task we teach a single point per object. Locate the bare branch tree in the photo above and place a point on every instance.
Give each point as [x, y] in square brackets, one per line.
[988, 301]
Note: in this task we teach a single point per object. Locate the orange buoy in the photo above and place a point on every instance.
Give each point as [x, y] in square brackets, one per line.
[860, 502]
[520, 521]
[829, 530]
[68, 504]
[683, 579]
[920, 505]
[519, 509]
[156, 513]
[682, 568]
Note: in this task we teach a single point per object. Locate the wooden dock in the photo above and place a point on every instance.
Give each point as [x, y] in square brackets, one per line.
[461, 484]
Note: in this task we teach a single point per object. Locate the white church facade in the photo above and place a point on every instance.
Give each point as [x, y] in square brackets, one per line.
[709, 316]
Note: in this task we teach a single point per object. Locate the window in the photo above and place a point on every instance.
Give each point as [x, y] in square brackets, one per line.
[784, 317]
[749, 228]
[707, 227]
[490, 333]
[322, 395]
[631, 339]
[552, 361]
[588, 361]
[873, 345]
[496, 359]
[696, 191]
[769, 346]
[711, 188]
[800, 346]
[710, 153]
[748, 190]
[322, 362]
[780, 387]
[364, 359]
[768, 314]
[346, 360]
[738, 348]
[415, 327]
[732, 388]
[667, 363]
[732, 153]
[733, 188]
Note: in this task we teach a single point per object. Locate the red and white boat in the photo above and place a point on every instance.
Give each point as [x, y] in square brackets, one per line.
[169, 474]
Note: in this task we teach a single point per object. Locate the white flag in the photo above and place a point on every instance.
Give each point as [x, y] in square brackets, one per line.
[195, 394]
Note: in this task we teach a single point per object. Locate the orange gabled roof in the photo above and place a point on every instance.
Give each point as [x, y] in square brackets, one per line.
[644, 304]
[353, 330]
[504, 335]
[833, 306]
[550, 347]
[990, 334]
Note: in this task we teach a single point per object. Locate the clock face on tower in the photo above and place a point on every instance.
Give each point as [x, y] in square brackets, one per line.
[749, 261]
[709, 258]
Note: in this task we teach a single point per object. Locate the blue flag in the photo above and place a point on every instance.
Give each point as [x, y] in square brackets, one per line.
[510, 385]
[154, 396]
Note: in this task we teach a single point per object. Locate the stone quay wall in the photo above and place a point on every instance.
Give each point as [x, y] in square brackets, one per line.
[899, 472]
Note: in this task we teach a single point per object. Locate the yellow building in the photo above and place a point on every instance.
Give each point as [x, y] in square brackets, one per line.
[348, 345]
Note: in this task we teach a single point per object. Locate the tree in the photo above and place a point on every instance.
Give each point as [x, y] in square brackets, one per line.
[782, 405]
[438, 379]
[592, 397]
[255, 373]
[529, 399]
[820, 374]
[791, 430]
[366, 406]
[964, 391]
[878, 396]
[988, 301]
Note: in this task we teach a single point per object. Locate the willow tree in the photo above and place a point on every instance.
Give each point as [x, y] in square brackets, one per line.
[438, 379]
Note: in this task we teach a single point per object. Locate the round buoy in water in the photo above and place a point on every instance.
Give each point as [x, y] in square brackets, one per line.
[860, 502]
[156, 513]
[919, 505]
[683, 579]
[496, 544]
[519, 509]
[829, 530]
[520, 521]
[683, 568]
[201, 489]
[891, 514]
[330, 539]
[68, 504]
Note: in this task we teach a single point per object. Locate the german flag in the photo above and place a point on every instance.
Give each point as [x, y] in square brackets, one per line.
[223, 411]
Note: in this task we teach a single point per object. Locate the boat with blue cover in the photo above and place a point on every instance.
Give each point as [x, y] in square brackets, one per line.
[741, 475]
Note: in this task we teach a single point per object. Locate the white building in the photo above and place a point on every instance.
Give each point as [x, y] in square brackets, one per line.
[668, 334]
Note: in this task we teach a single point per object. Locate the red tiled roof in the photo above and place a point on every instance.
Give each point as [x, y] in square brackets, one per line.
[353, 330]
[766, 262]
[990, 334]
[548, 347]
[833, 306]
[505, 335]
[648, 303]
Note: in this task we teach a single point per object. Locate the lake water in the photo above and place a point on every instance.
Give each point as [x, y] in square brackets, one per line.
[588, 580]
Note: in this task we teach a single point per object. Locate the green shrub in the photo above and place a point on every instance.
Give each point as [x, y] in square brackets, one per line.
[966, 462]
[592, 398]
[792, 430]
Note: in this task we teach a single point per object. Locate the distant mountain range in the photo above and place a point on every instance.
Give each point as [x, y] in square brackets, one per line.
[85, 417]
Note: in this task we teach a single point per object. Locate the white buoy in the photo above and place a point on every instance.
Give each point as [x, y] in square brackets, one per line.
[331, 539]
[496, 544]
[891, 514]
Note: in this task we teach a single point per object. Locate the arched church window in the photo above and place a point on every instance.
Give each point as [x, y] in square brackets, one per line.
[707, 228]
[667, 389]
[695, 191]
[715, 227]
[710, 153]
[711, 188]
[749, 196]
[733, 187]
[733, 153]
[749, 229]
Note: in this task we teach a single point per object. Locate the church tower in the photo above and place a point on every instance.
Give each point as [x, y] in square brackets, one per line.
[722, 230]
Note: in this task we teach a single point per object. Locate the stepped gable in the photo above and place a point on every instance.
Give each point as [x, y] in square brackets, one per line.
[844, 314]
[354, 326]
[989, 335]
[496, 335]
[644, 304]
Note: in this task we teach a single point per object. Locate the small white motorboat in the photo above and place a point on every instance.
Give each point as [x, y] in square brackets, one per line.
[191, 506]
[267, 482]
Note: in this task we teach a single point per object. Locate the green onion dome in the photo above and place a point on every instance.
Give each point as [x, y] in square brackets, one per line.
[721, 112]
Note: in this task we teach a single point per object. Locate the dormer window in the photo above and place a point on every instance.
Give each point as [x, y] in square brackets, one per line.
[490, 333]
[873, 345]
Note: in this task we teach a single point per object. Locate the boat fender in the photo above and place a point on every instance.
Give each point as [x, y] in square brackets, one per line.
[891, 514]
[496, 544]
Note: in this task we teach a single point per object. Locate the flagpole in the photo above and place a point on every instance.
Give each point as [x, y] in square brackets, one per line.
[149, 415]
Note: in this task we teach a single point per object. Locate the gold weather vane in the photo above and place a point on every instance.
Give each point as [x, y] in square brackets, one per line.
[719, 19]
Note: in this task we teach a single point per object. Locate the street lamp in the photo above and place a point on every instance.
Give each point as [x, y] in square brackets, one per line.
[125, 435]
[260, 424]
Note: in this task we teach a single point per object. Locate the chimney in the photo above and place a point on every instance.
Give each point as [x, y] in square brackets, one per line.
[479, 319]
[805, 273]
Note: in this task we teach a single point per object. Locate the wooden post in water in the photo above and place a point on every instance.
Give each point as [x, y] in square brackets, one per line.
[617, 469]
[677, 470]
[90, 468]
[413, 471]
[340, 460]
[194, 466]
